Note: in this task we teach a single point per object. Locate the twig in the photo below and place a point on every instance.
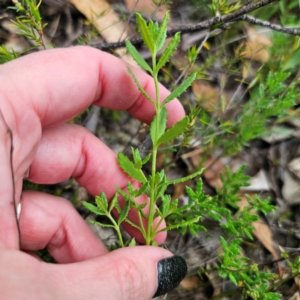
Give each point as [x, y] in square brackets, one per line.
[216, 22]
[12, 176]
[267, 24]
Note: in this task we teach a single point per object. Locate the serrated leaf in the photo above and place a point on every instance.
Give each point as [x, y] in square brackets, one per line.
[146, 159]
[153, 30]
[183, 179]
[166, 199]
[175, 131]
[101, 224]
[181, 224]
[162, 33]
[139, 86]
[180, 89]
[144, 31]
[173, 206]
[142, 189]
[124, 194]
[133, 224]
[92, 208]
[102, 202]
[128, 167]
[137, 56]
[168, 51]
[142, 205]
[124, 212]
[114, 202]
[158, 129]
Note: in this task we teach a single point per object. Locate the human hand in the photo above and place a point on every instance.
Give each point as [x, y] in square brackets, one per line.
[38, 93]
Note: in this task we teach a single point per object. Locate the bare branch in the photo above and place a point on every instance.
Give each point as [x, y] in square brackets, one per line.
[267, 24]
[213, 23]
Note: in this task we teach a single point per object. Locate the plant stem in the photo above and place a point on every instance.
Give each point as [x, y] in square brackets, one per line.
[117, 228]
[151, 232]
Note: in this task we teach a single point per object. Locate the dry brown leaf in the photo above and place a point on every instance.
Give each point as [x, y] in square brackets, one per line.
[191, 282]
[207, 96]
[256, 46]
[262, 232]
[107, 22]
[147, 8]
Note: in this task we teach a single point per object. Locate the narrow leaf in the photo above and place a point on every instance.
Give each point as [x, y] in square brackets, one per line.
[142, 206]
[182, 224]
[133, 224]
[101, 202]
[128, 167]
[114, 202]
[144, 31]
[168, 51]
[175, 131]
[92, 208]
[183, 179]
[139, 86]
[157, 129]
[162, 34]
[101, 224]
[137, 57]
[181, 88]
[124, 212]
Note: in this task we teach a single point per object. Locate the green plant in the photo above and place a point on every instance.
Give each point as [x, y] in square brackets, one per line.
[272, 93]
[29, 24]
[155, 185]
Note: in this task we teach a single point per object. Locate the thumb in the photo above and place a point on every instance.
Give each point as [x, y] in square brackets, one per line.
[133, 273]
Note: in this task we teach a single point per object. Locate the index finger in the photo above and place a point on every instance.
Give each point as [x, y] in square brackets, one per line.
[60, 83]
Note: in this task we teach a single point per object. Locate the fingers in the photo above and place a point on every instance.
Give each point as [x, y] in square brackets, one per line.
[70, 151]
[52, 222]
[8, 228]
[58, 84]
[129, 273]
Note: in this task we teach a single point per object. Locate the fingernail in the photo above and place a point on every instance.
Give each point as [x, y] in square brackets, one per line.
[171, 271]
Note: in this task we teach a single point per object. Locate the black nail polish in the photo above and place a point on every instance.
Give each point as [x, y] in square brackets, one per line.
[171, 271]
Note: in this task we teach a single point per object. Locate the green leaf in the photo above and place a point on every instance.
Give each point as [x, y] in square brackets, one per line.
[166, 199]
[146, 159]
[101, 224]
[232, 278]
[128, 167]
[124, 212]
[182, 224]
[139, 86]
[157, 130]
[132, 243]
[92, 208]
[181, 88]
[102, 202]
[162, 34]
[183, 179]
[137, 57]
[168, 51]
[133, 224]
[175, 131]
[142, 205]
[144, 31]
[114, 203]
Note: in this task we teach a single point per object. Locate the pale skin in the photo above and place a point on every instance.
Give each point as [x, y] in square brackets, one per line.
[38, 94]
